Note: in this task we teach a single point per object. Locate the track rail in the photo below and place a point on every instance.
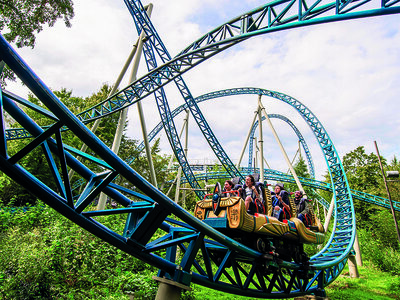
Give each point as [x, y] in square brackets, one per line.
[209, 258]
[298, 133]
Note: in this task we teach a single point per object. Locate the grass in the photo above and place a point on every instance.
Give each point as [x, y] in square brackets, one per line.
[373, 284]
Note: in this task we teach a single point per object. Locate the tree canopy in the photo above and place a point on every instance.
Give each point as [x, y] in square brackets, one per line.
[21, 20]
[36, 163]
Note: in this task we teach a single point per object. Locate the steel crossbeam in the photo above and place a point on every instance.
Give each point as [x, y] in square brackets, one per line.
[276, 279]
[299, 135]
[213, 43]
[143, 23]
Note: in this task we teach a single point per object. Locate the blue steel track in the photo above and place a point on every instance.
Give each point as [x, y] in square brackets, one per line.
[274, 175]
[209, 258]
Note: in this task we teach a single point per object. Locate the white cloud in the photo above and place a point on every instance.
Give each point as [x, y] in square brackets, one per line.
[347, 73]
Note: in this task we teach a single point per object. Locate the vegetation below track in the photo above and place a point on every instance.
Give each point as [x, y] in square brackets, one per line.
[45, 256]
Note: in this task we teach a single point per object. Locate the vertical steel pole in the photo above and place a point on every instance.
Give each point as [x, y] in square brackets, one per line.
[139, 104]
[186, 153]
[246, 141]
[179, 174]
[123, 116]
[388, 192]
[358, 251]
[113, 90]
[329, 215]
[265, 161]
[255, 155]
[282, 149]
[261, 141]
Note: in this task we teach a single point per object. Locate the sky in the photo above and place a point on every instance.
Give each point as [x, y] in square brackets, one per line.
[347, 73]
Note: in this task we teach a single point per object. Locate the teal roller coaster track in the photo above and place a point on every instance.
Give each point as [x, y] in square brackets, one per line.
[208, 258]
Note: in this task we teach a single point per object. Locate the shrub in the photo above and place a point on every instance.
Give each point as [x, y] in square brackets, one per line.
[380, 254]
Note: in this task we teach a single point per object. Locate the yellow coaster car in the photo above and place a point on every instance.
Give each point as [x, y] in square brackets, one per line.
[260, 231]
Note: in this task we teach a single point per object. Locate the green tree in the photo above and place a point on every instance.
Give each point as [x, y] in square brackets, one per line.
[364, 174]
[301, 170]
[21, 20]
[36, 163]
[363, 171]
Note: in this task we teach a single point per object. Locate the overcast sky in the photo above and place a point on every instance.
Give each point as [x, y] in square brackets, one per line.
[346, 72]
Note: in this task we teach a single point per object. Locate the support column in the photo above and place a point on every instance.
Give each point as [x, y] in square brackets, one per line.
[139, 105]
[282, 149]
[255, 155]
[353, 270]
[246, 141]
[124, 113]
[358, 251]
[169, 289]
[329, 215]
[261, 141]
[113, 90]
[185, 150]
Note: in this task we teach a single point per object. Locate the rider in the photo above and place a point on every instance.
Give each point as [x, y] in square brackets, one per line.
[301, 206]
[228, 188]
[280, 203]
[252, 195]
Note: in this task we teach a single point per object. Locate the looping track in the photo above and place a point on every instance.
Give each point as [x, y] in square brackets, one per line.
[208, 257]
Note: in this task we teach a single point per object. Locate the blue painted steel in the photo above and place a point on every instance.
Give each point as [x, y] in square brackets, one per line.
[154, 218]
[299, 135]
[275, 175]
[153, 40]
[168, 123]
[268, 18]
[282, 280]
[141, 225]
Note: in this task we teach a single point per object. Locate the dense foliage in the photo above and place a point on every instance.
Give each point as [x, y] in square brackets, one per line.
[36, 163]
[22, 20]
[43, 255]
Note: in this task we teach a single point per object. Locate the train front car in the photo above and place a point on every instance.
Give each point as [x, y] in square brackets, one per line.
[261, 231]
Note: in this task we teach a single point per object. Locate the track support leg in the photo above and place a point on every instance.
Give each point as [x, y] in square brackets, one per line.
[311, 297]
[353, 270]
[169, 289]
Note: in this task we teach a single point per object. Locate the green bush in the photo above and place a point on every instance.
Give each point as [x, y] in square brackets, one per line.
[25, 271]
[379, 253]
[44, 255]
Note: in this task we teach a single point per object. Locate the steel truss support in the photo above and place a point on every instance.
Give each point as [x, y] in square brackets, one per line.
[178, 176]
[261, 139]
[262, 108]
[299, 135]
[124, 114]
[249, 141]
[210, 258]
[143, 23]
[219, 254]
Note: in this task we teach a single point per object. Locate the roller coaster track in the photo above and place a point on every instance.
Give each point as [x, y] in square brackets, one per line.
[275, 175]
[208, 257]
[272, 174]
[153, 41]
[298, 133]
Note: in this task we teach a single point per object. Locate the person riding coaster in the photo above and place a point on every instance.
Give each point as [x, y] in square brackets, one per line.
[231, 216]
